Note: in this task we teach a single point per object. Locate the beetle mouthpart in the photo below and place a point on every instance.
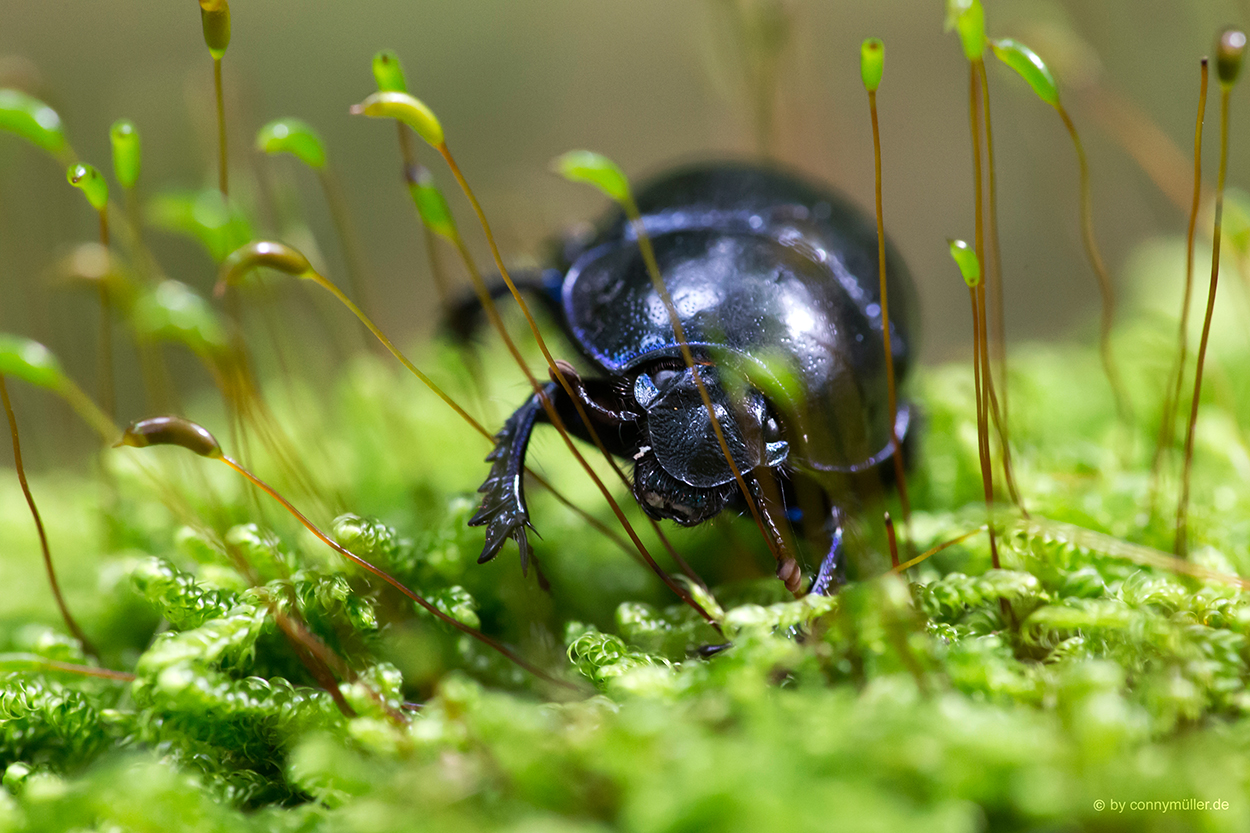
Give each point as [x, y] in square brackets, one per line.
[663, 496]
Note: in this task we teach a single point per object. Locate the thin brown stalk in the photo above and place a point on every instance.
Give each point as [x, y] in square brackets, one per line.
[104, 359]
[907, 565]
[1182, 509]
[980, 361]
[43, 535]
[891, 540]
[223, 177]
[983, 444]
[353, 255]
[1167, 425]
[773, 534]
[900, 475]
[87, 670]
[998, 321]
[1105, 288]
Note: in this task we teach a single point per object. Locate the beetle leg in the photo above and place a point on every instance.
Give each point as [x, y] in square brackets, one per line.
[832, 574]
[463, 315]
[503, 511]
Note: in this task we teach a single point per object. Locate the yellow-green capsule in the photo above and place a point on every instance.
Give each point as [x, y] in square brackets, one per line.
[171, 430]
[431, 205]
[403, 107]
[966, 259]
[262, 253]
[295, 137]
[215, 18]
[967, 18]
[88, 180]
[1230, 48]
[1029, 66]
[388, 72]
[31, 119]
[124, 137]
[30, 361]
[595, 169]
[871, 63]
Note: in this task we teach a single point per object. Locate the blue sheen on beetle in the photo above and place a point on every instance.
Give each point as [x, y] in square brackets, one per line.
[775, 283]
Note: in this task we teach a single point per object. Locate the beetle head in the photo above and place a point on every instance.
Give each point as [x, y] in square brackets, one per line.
[681, 470]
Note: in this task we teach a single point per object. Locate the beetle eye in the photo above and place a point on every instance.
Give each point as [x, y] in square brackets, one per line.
[772, 430]
[662, 378]
[645, 391]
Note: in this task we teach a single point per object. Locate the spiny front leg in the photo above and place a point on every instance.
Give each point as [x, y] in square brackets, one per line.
[503, 511]
[832, 574]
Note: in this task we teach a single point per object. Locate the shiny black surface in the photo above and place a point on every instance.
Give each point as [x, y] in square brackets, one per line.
[774, 280]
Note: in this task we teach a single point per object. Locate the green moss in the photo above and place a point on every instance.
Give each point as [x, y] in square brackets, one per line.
[953, 698]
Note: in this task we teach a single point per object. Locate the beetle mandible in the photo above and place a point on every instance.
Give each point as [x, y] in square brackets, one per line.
[775, 282]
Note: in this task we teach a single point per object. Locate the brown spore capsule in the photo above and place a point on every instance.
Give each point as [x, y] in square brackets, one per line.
[171, 430]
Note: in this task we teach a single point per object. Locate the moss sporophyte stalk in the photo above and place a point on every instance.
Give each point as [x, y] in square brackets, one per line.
[1053, 636]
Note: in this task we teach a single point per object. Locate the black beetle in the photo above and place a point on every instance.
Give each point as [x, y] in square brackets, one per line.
[775, 282]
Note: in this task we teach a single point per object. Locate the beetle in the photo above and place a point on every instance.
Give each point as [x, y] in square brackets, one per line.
[775, 282]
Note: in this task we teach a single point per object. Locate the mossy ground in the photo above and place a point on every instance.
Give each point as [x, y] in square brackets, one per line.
[1051, 694]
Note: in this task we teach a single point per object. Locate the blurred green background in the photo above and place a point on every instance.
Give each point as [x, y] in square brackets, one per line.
[648, 83]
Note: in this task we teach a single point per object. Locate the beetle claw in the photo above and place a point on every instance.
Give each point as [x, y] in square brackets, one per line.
[503, 511]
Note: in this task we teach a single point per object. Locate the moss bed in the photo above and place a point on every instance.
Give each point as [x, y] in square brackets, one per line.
[1056, 693]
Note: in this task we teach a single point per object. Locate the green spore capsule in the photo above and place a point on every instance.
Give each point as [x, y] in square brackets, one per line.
[595, 169]
[124, 137]
[403, 107]
[967, 18]
[389, 72]
[871, 63]
[295, 137]
[215, 17]
[260, 253]
[31, 119]
[1029, 66]
[88, 180]
[431, 205]
[203, 216]
[30, 361]
[966, 259]
[171, 430]
[1230, 48]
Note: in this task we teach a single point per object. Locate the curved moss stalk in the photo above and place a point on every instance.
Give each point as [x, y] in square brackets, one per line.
[43, 535]
[1105, 288]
